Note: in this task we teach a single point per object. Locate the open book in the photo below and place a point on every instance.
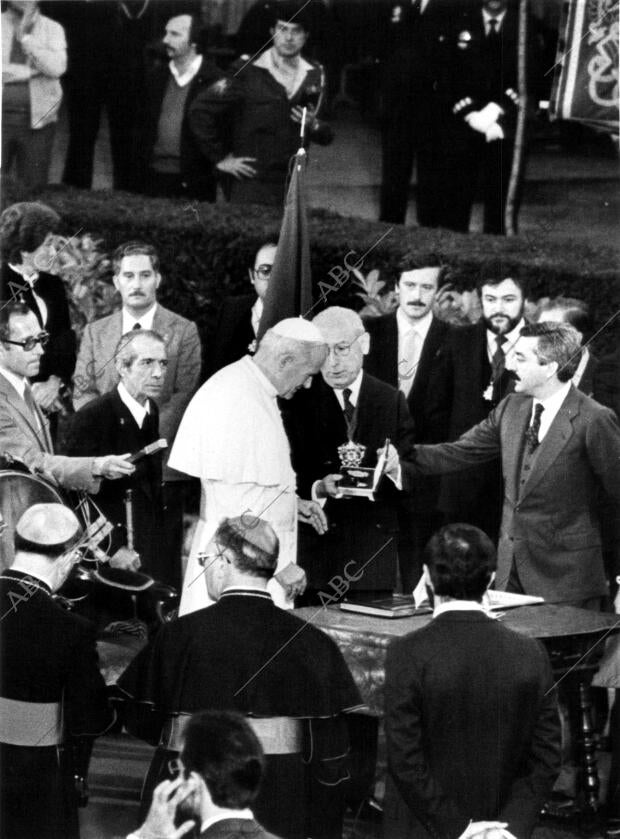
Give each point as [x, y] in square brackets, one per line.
[406, 605]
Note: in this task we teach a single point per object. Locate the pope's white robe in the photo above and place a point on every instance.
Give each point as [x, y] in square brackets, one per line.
[232, 438]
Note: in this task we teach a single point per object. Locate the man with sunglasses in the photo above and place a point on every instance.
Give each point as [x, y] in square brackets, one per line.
[239, 317]
[51, 689]
[24, 431]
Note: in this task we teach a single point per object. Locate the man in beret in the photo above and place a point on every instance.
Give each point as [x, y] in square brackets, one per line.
[51, 690]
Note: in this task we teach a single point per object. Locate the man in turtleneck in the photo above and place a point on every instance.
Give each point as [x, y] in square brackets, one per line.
[248, 122]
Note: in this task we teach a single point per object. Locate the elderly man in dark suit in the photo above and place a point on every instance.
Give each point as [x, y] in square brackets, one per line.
[404, 348]
[126, 420]
[558, 448]
[468, 379]
[471, 716]
[346, 404]
[239, 317]
[220, 770]
[137, 278]
[51, 689]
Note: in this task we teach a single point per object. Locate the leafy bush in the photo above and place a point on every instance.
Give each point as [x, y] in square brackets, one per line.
[205, 252]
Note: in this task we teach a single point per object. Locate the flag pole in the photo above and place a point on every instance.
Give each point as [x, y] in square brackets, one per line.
[517, 155]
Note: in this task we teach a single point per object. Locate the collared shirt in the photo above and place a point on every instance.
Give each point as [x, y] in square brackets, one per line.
[552, 405]
[510, 339]
[18, 382]
[136, 409]
[405, 326]
[354, 387]
[291, 82]
[146, 320]
[183, 79]
[224, 813]
[486, 17]
[31, 280]
[257, 313]
[458, 606]
[583, 362]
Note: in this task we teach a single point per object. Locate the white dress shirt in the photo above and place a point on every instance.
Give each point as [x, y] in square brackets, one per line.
[354, 387]
[509, 340]
[257, 313]
[486, 17]
[146, 320]
[408, 366]
[18, 382]
[552, 405]
[458, 606]
[183, 79]
[136, 409]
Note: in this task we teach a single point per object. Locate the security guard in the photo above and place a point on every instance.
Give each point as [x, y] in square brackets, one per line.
[51, 690]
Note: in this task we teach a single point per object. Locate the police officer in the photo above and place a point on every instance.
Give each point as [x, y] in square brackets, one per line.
[51, 690]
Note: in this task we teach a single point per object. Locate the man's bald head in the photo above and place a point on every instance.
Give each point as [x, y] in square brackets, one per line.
[289, 354]
[347, 342]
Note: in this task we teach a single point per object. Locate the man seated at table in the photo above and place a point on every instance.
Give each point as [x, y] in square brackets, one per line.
[471, 716]
[245, 654]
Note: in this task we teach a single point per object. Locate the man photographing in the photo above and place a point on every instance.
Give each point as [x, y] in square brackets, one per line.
[219, 772]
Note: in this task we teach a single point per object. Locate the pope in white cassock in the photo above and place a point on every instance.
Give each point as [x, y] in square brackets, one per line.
[232, 438]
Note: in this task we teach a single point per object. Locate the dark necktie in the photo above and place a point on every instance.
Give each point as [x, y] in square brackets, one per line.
[492, 31]
[531, 435]
[349, 408]
[498, 362]
[136, 326]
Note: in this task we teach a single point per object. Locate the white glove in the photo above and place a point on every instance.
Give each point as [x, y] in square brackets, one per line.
[494, 132]
[475, 122]
[482, 120]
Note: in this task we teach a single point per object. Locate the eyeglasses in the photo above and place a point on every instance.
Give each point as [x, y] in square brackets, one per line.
[30, 343]
[263, 271]
[343, 350]
[205, 559]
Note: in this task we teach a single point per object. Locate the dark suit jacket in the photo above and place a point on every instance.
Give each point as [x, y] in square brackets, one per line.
[233, 333]
[60, 353]
[459, 378]
[236, 829]
[469, 735]
[382, 362]
[358, 528]
[106, 426]
[607, 381]
[550, 525]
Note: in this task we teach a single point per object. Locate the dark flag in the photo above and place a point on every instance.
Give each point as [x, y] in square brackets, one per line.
[586, 88]
[290, 286]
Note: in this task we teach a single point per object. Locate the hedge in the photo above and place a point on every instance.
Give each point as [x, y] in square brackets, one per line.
[205, 252]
